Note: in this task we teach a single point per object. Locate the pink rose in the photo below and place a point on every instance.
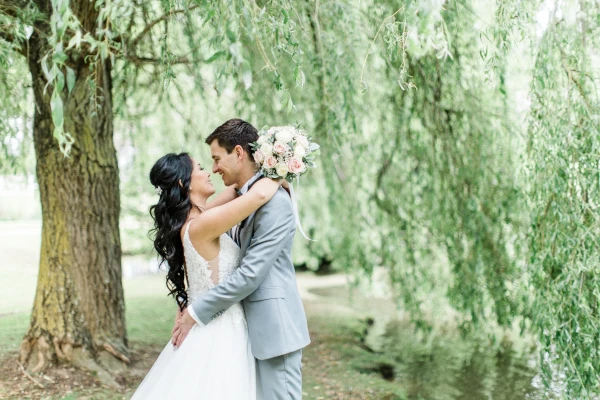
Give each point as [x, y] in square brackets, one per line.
[270, 162]
[259, 157]
[296, 166]
[280, 148]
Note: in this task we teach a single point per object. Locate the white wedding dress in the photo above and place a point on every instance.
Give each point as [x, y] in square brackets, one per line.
[215, 361]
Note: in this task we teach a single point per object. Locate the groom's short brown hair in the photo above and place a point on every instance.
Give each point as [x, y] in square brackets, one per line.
[232, 133]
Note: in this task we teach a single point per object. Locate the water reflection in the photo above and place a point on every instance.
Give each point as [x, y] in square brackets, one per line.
[458, 369]
[443, 366]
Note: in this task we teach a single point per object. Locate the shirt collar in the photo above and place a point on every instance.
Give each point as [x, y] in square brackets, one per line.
[244, 188]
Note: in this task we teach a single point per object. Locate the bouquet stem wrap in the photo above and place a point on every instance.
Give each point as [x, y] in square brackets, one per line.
[296, 214]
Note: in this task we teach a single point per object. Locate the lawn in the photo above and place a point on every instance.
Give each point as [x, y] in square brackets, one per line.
[331, 364]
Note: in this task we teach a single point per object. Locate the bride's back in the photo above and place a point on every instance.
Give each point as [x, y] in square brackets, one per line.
[202, 274]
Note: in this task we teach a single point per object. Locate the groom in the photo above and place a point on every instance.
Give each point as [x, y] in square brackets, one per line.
[265, 282]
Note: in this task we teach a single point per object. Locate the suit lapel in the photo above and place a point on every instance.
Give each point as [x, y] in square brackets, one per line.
[242, 225]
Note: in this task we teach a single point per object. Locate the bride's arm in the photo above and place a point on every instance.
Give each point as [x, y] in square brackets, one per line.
[218, 220]
[222, 198]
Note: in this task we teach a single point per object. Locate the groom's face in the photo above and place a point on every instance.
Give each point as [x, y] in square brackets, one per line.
[224, 164]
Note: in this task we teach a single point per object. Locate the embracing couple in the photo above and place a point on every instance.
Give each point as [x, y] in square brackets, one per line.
[240, 328]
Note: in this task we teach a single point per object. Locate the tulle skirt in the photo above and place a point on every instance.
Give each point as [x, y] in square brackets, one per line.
[215, 362]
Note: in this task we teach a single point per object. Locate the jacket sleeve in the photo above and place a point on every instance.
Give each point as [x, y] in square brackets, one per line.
[273, 223]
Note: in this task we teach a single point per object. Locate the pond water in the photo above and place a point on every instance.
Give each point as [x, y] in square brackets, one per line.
[459, 369]
[444, 366]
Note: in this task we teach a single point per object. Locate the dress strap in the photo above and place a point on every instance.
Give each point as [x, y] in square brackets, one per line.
[188, 226]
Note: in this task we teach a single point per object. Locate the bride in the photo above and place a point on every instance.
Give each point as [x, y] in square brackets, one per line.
[189, 231]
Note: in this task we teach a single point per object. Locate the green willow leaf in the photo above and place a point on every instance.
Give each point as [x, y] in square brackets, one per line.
[70, 79]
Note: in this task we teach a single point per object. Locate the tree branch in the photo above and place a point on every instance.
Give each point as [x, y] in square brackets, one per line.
[152, 24]
[576, 81]
[147, 60]
[14, 8]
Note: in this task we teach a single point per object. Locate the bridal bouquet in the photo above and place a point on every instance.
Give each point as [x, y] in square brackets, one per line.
[284, 152]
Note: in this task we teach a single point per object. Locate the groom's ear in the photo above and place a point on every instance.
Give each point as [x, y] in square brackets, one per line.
[239, 152]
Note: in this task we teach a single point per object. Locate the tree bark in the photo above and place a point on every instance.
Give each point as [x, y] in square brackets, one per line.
[78, 315]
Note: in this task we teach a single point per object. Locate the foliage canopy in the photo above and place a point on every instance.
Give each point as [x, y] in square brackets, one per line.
[437, 165]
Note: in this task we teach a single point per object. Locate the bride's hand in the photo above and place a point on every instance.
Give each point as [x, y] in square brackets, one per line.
[178, 315]
[182, 328]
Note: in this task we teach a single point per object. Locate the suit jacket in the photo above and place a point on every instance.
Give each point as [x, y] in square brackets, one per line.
[265, 283]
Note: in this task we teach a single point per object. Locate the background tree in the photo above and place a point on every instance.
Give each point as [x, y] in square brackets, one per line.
[563, 177]
[419, 109]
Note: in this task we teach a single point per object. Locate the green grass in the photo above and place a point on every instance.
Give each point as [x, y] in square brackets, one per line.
[149, 315]
[12, 329]
[150, 320]
[332, 363]
[337, 364]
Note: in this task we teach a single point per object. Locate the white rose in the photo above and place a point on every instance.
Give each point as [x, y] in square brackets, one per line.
[282, 170]
[266, 149]
[299, 151]
[302, 141]
[261, 139]
[271, 131]
[284, 135]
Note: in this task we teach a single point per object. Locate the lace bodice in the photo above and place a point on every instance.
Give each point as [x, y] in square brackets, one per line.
[199, 273]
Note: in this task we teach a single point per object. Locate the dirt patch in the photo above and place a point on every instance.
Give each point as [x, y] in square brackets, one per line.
[60, 381]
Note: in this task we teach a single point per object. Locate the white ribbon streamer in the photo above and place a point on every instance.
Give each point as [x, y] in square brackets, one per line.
[296, 214]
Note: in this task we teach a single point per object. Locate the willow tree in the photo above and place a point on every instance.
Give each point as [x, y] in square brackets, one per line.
[80, 56]
[434, 180]
[563, 173]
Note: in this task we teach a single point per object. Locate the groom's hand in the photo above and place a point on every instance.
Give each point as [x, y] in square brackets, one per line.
[184, 324]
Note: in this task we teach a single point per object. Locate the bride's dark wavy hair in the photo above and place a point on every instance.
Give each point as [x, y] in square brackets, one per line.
[169, 214]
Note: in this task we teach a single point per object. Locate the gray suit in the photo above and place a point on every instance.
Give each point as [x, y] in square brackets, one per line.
[265, 282]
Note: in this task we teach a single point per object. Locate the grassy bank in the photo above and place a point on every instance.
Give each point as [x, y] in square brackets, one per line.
[335, 365]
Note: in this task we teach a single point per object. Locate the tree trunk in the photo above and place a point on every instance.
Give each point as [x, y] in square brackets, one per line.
[78, 315]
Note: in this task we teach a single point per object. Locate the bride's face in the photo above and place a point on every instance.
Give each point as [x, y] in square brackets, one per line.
[200, 181]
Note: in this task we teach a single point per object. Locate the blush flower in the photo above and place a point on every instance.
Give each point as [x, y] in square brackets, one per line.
[280, 148]
[259, 156]
[296, 166]
[270, 162]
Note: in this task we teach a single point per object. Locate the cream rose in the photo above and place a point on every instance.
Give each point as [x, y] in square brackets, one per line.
[266, 149]
[270, 162]
[284, 135]
[259, 157]
[296, 166]
[262, 139]
[282, 170]
[299, 151]
[302, 141]
[280, 147]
